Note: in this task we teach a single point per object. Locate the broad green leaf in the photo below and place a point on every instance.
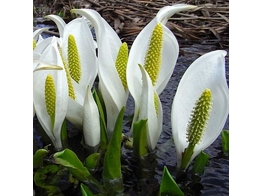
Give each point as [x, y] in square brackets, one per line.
[43, 177]
[140, 138]
[39, 157]
[200, 163]
[168, 186]
[70, 160]
[85, 190]
[112, 176]
[92, 160]
[112, 159]
[225, 140]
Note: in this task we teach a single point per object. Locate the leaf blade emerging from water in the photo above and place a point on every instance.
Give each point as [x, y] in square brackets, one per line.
[140, 138]
[85, 190]
[70, 160]
[112, 159]
[168, 186]
[225, 140]
[200, 163]
[92, 160]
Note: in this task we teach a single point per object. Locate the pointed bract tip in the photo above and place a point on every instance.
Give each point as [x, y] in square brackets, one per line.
[186, 6]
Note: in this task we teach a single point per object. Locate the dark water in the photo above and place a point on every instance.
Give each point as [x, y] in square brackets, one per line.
[143, 178]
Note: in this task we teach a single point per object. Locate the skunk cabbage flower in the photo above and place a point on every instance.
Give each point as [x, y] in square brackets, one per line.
[156, 49]
[91, 121]
[39, 47]
[151, 109]
[77, 50]
[50, 94]
[112, 60]
[200, 106]
[157, 53]
[37, 66]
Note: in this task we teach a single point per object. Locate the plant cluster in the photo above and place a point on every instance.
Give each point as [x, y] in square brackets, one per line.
[64, 73]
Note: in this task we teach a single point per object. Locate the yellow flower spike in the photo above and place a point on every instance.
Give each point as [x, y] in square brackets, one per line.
[199, 118]
[121, 63]
[34, 44]
[71, 91]
[197, 125]
[50, 97]
[154, 53]
[73, 59]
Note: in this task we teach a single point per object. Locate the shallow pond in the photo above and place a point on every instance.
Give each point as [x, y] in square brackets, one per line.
[144, 179]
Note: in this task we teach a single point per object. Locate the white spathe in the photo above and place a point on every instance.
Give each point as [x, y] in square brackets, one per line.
[51, 56]
[208, 71]
[170, 50]
[110, 85]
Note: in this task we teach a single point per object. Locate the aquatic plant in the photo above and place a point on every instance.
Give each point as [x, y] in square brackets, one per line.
[65, 70]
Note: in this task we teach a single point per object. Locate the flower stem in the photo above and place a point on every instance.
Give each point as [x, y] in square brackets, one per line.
[187, 155]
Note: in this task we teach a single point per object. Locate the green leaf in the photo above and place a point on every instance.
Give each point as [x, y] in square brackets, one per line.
[92, 160]
[85, 190]
[200, 163]
[64, 134]
[112, 159]
[70, 160]
[104, 137]
[43, 178]
[168, 186]
[225, 140]
[101, 109]
[99, 101]
[39, 157]
[187, 154]
[140, 138]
